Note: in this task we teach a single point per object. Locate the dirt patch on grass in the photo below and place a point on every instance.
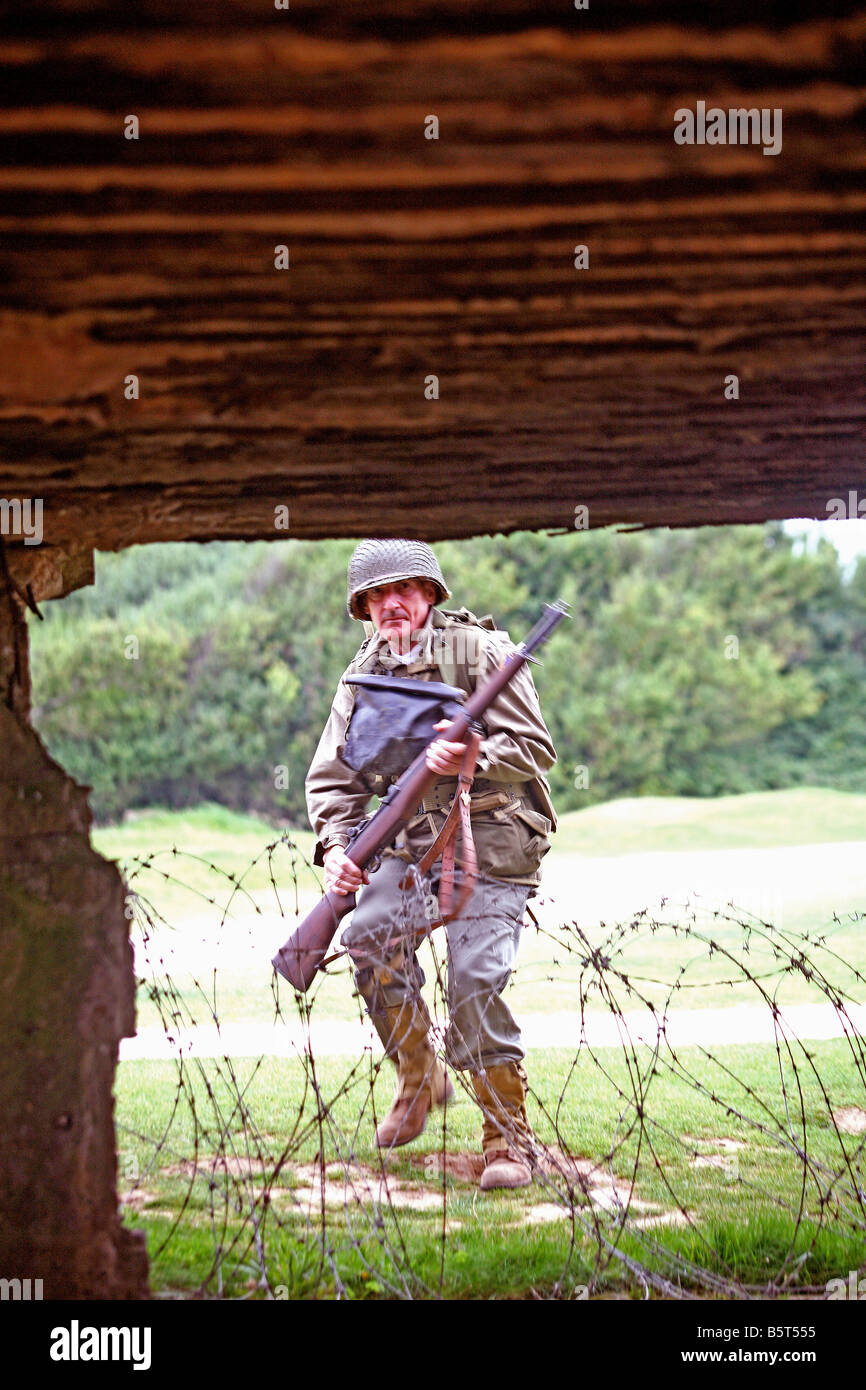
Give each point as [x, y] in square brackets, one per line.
[211, 1166]
[851, 1119]
[137, 1199]
[728, 1146]
[650, 1215]
[717, 1152]
[468, 1167]
[561, 1184]
[580, 1181]
[462, 1167]
[351, 1186]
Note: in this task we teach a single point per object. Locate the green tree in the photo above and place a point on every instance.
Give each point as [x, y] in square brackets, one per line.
[697, 662]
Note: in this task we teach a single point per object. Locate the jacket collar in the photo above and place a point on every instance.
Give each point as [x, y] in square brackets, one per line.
[427, 636]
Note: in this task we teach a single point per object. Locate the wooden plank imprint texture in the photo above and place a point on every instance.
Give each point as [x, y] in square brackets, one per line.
[412, 257]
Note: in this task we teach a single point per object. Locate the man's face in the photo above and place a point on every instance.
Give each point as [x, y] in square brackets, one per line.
[398, 610]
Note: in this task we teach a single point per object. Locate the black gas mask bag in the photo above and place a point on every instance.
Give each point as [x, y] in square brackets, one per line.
[393, 721]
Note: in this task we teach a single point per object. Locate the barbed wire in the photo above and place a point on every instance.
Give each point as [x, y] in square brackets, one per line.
[272, 1152]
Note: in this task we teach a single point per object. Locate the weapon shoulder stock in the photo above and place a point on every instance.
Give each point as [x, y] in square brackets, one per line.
[300, 957]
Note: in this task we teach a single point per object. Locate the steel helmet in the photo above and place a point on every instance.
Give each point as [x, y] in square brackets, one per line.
[385, 562]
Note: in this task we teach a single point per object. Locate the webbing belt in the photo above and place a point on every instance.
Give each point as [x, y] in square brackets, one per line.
[501, 794]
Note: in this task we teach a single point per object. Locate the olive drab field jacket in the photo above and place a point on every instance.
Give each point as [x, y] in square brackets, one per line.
[512, 813]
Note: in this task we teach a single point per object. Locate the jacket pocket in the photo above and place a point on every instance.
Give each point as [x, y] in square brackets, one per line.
[512, 844]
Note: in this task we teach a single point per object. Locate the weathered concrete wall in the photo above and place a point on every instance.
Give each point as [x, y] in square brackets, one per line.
[66, 998]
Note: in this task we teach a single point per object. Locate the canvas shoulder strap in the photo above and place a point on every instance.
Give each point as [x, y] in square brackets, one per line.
[362, 663]
[457, 652]
[365, 657]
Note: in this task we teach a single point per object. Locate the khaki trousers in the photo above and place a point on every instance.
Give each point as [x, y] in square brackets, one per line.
[482, 947]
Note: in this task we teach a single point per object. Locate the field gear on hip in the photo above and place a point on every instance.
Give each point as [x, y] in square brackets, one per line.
[391, 725]
[507, 1140]
[377, 562]
[457, 822]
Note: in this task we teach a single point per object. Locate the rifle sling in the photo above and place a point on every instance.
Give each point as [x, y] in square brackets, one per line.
[446, 841]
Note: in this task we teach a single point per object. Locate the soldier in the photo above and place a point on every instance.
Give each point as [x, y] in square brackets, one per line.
[394, 587]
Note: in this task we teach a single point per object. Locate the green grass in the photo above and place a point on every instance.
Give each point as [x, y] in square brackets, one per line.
[211, 843]
[744, 1228]
[209, 878]
[742, 1225]
[632, 825]
[756, 820]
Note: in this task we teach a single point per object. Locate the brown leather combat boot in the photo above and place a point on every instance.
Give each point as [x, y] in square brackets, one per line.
[422, 1081]
[507, 1139]
[504, 1168]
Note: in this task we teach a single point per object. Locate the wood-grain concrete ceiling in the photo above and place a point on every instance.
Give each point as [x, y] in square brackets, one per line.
[411, 258]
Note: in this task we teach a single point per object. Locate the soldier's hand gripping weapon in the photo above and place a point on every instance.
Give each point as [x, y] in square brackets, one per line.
[299, 959]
